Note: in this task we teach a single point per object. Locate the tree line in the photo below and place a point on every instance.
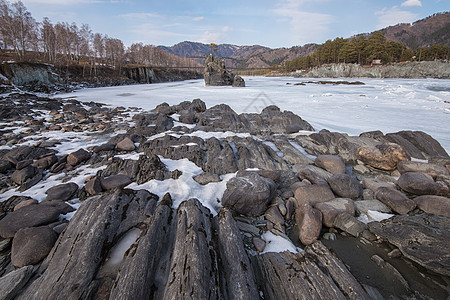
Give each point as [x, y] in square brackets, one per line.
[66, 44]
[365, 50]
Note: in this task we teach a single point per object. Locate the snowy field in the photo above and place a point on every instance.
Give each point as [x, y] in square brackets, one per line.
[388, 105]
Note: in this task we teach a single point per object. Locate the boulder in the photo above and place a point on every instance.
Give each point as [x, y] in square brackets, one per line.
[126, 145]
[23, 163]
[28, 216]
[395, 200]
[238, 81]
[374, 183]
[422, 141]
[62, 192]
[332, 163]
[435, 205]
[21, 176]
[332, 208]
[104, 147]
[427, 168]
[349, 224]
[345, 186]
[25, 203]
[420, 184]
[309, 222]
[12, 283]
[385, 156]
[5, 165]
[365, 205]
[115, 181]
[46, 162]
[249, 195]
[273, 215]
[215, 73]
[31, 245]
[206, 177]
[78, 157]
[93, 186]
[313, 193]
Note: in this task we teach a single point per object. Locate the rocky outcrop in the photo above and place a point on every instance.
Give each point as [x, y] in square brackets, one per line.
[216, 75]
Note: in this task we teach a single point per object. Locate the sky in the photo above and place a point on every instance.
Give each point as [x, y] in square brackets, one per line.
[271, 23]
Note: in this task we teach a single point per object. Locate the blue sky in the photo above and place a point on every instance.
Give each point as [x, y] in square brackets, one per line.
[274, 23]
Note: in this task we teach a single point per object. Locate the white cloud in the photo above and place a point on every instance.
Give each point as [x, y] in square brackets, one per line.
[64, 2]
[227, 29]
[211, 37]
[198, 19]
[393, 16]
[140, 15]
[412, 3]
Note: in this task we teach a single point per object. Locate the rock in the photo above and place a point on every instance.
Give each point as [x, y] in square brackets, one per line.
[46, 162]
[332, 208]
[309, 222]
[104, 147]
[12, 283]
[313, 193]
[422, 141]
[349, 224]
[383, 156]
[395, 253]
[374, 183]
[215, 73]
[28, 216]
[126, 145]
[21, 176]
[395, 200]
[5, 166]
[259, 244]
[31, 245]
[345, 186]
[368, 194]
[329, 236]
[206, 177]
[78, 157]
[60, 205]
[115, 181]
[435, 205]
[393, 272]
[421, 184]
[25, 203]
[62, 192]
[314, 177]
[23, 163]
[422, 238]
[93, 186]
[428, 168]
[332, 163]
[249, 195]
[245, 227]
[238, 81]
[365, 205]
[273, 215]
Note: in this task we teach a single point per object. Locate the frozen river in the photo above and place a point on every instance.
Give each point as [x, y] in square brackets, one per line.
[388, 105]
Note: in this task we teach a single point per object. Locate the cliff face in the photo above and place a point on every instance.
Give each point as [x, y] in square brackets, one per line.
[425, 69]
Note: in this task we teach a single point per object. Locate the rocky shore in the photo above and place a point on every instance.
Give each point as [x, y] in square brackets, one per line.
[187, 201]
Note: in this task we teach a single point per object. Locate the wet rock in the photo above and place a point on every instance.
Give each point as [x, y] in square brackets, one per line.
[104, 147]
[332, 208]
[332, 163]
[422, 238]
[349, 224]
[365, 205]
[78, 157]
[435, 205]
[206, 177]
[93, 186]
[395, 200]
[428, 168]
[126, 145]
[115, 181]
[345, 186]
[28, 216]
[387, 267]
[313, 193]
[31, 245]
[383, 156]
[62, 192]
[421, 184]
[249, 194]
[309, 222]
[12, 283]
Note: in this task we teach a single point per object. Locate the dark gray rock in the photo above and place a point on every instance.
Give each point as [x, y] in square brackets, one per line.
[332, 208]
[349, 224]
[23, 163]
[422, 238]
[78, 157]
[273, 215]
[427, 145]
[436, 205]
[345, 186]
[60, 205]
[126, 145]
[104, 147]
[332, 163]
[249, 195]
[62, 192]
[421, 184]
[206, 177]
[238, 81]
[427, 168]
[313, 193]
[13, 282]
[31, 245]
[28, 216]
[23, 175]
[46, 162]
[115, 181]
[93, 186]
[25, 203]
[215, 73]
[363, 206]
[5, 166]
[395, 200]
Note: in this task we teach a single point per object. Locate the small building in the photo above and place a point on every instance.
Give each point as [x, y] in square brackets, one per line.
[376, 62]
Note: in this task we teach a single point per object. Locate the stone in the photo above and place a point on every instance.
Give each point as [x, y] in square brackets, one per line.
[23, 175]
[259, 244]
[363, 206]
[273, 215]
[309, 222]
[62, 192]
[126, 145]
[215, 73]
[422, 238]
[314, 177]
[25, 203]
[93, 186]
[23, 163]
[78, 157]
[46, 162]
[313, 193]
[31, 245]
[395, 200]
[5, 165]
[422, 141]
[435, 205]
[249, 195]
[395, 253]
[104, 147]
[385, 156]
[206, 177]
[238, 81]
[332, 208]
[12, 283]
[115, 181]
[349, 224]
[245, 227]
[428, 168]
[332, 163]
[60, 205]
[28, 216]
[374, 183]
[420, 184]
[345, 186]
[290, 208]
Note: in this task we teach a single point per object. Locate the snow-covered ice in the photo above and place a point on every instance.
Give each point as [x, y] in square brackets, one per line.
[389, 105]
[275, 243]
[374, 216]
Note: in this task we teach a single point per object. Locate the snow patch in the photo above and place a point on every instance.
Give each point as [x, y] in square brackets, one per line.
[275, 243]
[374, 216]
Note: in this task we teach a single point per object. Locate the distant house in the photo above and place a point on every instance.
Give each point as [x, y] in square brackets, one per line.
[376, 62]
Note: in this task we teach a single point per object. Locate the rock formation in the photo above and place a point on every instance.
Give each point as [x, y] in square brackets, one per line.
[216, 75]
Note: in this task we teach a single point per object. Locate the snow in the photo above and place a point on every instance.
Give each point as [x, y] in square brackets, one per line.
[185, 187]
[275, 243]
[374, 216]
[389, 105]
[118, 251]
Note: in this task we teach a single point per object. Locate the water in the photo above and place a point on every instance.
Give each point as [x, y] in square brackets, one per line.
[389, 105]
